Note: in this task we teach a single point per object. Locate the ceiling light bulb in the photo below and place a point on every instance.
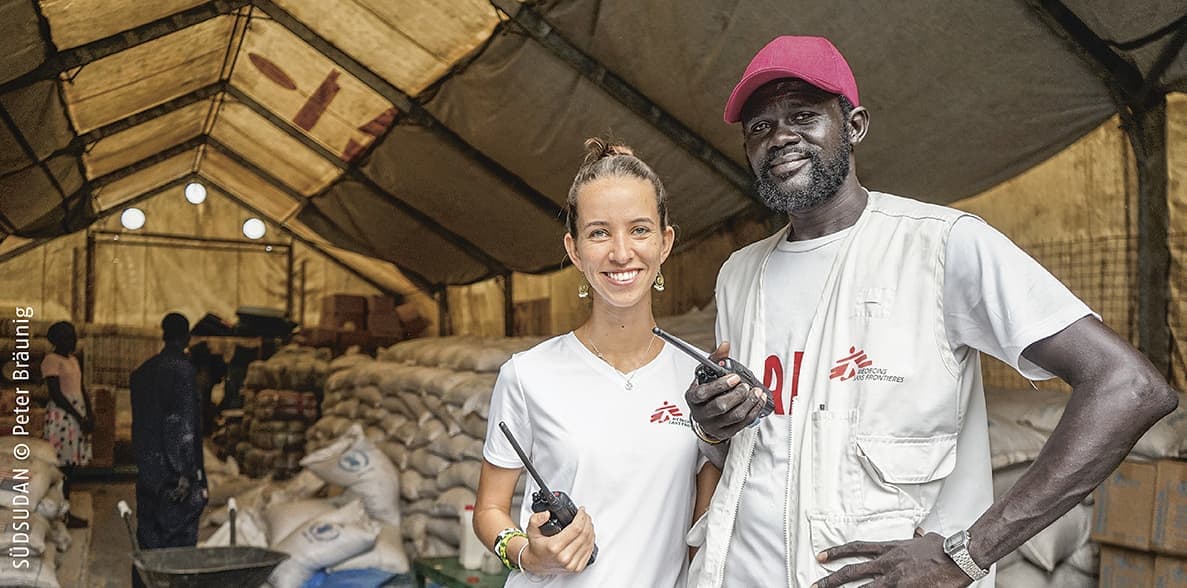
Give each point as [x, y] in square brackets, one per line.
[195, 193]
[132, 219]
[253, 228]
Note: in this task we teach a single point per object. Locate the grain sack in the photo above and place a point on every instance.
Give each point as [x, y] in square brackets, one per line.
[339, 381]
[420, 379]
[447, 447]
[350, 360]
[249, 530]
[446, 380]
[54, 504]
[429, 465]
[369, 396]
[1066, 576]
[58, 536]
[355, 463]
[406, 433]
[258, 376]
[37, 448]
[477, 404]
[284, 517]
[447, 529]
[428, 431]
[1060, 540]
[40, 571]
[416, 407]
[24, 482]
[387, 554]
[423, 506]
[395, 452]
[442, 412]
[325, 541]
[460, 474]
[374, 434]
[410, 484]
[395, 406]
[392, 422]
[1022, 575]
[303, 485]
[484, 359]
[1011, 443]
[22, 528]
[434, 547]
[474, 425]
[452, 502]
[415, 526]
[1086, 558]
[472, 385]
[373, 416]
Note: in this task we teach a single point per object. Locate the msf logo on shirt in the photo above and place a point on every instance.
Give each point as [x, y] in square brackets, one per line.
[848, 366]
[669, 413]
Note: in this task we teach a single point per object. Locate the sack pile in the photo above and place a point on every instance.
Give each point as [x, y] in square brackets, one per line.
[281, 397]
[424, 404]
[33, 532]
[1020, 421]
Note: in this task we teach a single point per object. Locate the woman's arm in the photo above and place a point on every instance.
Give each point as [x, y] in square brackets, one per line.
[565, 552]
[707, 479]
[55, 393]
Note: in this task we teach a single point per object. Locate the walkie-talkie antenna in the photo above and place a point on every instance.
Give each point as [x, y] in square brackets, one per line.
[689, 350]
[524, 458]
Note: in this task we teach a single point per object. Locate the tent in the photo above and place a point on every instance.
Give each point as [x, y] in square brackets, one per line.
[440, 137]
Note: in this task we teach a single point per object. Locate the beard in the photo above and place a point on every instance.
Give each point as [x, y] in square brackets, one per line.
[828, 172]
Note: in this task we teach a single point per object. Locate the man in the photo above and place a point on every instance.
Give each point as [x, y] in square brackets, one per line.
[167, 437]
[866, 314]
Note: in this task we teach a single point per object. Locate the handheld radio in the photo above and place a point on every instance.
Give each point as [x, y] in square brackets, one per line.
[709, 370]
[559, 506]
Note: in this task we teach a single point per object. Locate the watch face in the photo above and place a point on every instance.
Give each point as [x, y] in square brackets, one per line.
[954, 542]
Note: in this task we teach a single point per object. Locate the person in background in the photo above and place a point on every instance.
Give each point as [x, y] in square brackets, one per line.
[600, 410]
[868, 311]
[69, 420]
[167, 438]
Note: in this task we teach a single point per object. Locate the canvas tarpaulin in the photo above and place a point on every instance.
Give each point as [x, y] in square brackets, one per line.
[442, 136]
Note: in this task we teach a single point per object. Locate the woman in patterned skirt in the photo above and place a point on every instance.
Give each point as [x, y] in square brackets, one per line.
[68, 420]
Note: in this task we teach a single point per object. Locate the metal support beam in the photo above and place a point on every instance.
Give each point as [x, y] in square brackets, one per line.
[157, 111]
[147, 162]
[421, 218]
[410, 107]
[444, 325]
[508, 305]
[148, 236]
[96, 50]
[1142, 107]
[415, 278]
[626, 94]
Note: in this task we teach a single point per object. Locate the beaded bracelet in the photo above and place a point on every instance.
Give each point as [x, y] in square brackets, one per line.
[501, 540]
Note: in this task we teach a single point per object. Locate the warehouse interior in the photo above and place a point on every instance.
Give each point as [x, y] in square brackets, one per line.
[358, 205]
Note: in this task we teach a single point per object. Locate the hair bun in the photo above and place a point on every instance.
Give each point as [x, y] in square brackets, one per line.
[597, 148]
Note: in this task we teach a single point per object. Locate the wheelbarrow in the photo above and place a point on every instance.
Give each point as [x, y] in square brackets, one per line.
[202, 567]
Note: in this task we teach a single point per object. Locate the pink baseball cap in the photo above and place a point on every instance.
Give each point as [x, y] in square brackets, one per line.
[812, 59]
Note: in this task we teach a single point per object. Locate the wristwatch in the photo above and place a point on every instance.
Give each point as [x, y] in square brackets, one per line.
[957, 548]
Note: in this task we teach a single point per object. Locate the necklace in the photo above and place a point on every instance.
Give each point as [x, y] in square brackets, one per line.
[629, 385]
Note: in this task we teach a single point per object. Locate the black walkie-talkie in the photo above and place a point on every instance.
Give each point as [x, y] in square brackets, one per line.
[709, 371]
[560, 507]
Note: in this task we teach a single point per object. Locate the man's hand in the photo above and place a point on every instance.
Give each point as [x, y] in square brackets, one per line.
[726, 405]
[179, 492]
[920, 561]
[566, 552]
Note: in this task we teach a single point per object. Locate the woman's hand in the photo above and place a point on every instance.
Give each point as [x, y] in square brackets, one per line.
[566, 552]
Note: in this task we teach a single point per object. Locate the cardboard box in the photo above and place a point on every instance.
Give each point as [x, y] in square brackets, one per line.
[338, 321]
[349, 338]
[384, 325]
[344, 304]
[103, 437]
[381, 304]
[1123, 515]
[411, 320]
[319, 337]
[1170, 572]
[1169, 534]
[1125, 568]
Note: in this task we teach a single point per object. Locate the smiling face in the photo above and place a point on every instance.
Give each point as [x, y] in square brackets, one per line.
[798, 143]
[620, 241]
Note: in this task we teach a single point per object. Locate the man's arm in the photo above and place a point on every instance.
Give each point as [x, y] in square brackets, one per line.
[1116, 396]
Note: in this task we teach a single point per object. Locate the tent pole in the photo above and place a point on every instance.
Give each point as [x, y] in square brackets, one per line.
[508, 306]
[1147, 135]
[89, 311]
[288, 282]
[443, 323]
[302, 290]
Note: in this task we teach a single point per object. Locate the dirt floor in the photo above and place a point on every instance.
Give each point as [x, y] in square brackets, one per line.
[109, 563]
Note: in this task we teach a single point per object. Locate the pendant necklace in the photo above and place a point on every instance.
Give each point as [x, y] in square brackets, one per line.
[629, 385]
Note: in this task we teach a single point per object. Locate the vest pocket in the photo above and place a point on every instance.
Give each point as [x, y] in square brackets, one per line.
[833, 530]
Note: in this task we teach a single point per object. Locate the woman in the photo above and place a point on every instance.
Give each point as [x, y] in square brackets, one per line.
[600, 411]
[68, 420]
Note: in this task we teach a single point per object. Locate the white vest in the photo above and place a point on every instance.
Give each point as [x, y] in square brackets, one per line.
[882, 395]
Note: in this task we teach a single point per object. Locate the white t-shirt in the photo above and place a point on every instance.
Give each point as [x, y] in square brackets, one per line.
[994, 293]
[626, 455]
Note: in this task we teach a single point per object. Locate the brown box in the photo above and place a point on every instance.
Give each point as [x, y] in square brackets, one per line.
[381, 304]
[103, 437]
[411, 320]
[338, 321]
[384, 325]
[1170, 572]
[344, 304]
[1125, 568]
[1123, 515]
[348, 338]
[1169, 534]
[319, 337]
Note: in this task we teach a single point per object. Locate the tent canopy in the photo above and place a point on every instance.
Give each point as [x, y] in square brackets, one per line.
[442, 136]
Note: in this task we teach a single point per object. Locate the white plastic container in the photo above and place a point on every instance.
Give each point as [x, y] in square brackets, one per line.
[471, 549]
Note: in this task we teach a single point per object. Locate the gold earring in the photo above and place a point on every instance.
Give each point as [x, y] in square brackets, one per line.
[583, 290]
[659, 281]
